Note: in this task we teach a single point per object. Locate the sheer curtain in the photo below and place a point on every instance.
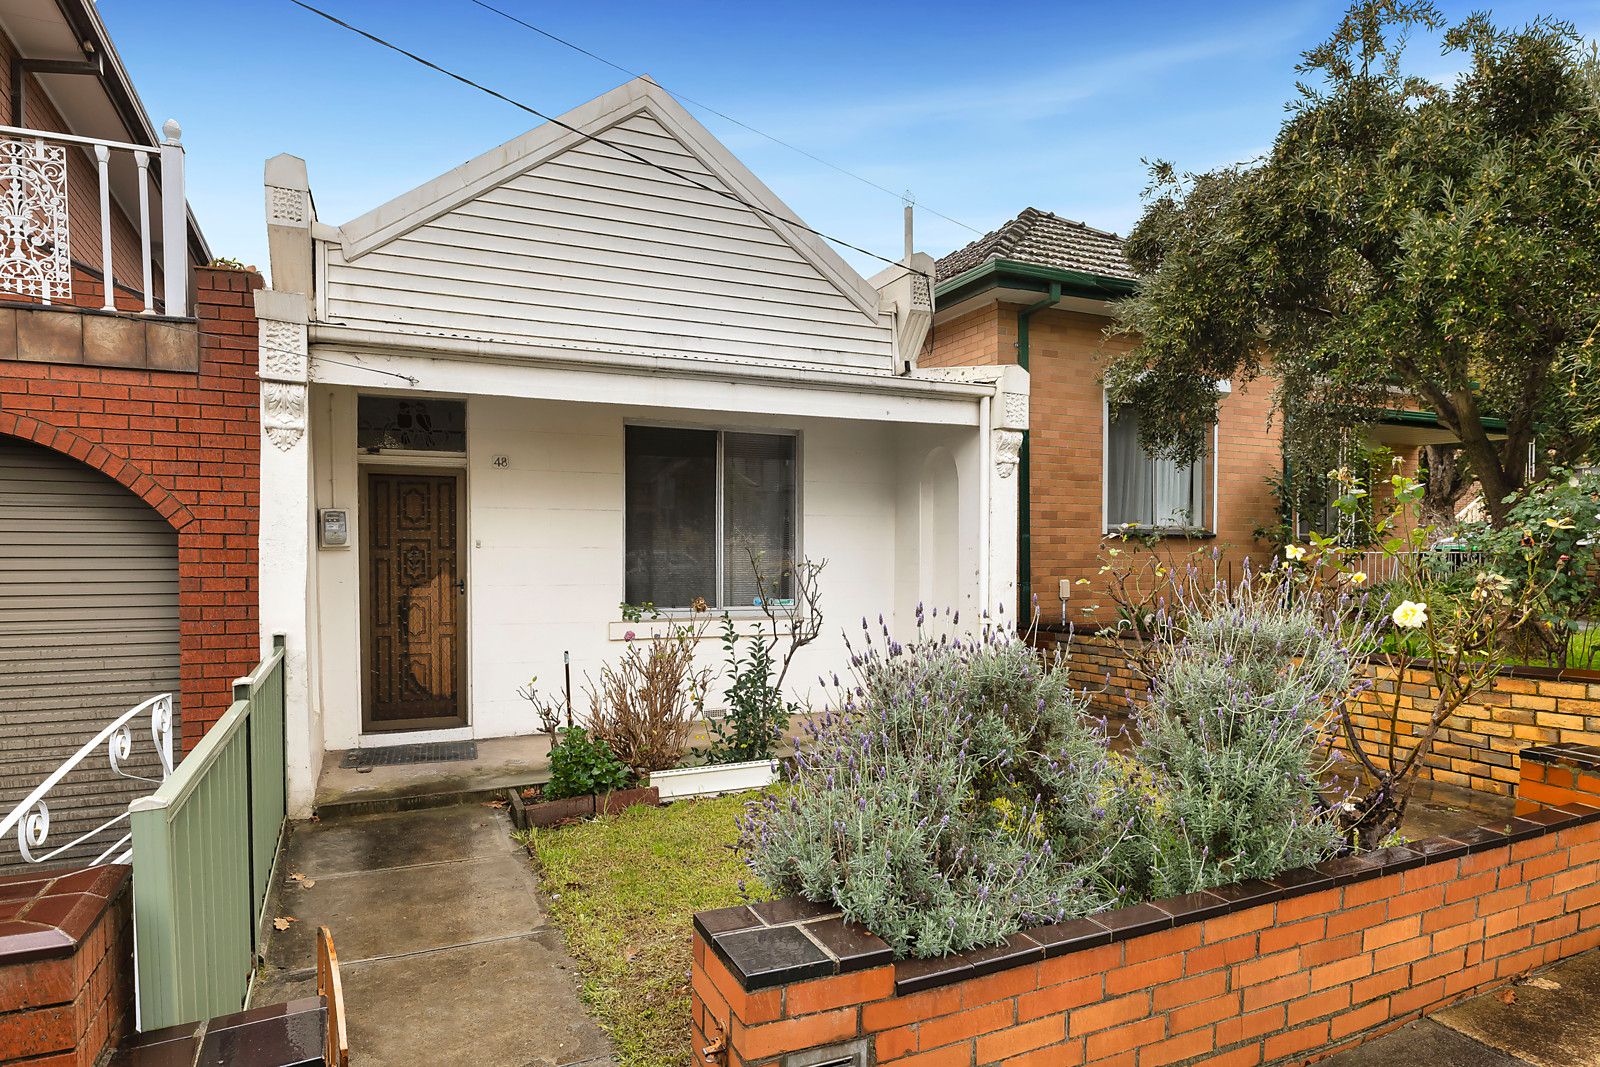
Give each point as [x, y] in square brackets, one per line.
[1128, 474]
[1147, 491]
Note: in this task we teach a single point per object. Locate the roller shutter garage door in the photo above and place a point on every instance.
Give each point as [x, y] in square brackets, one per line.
[88, 629]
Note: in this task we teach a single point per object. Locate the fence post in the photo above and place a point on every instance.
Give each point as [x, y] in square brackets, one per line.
[155, 913]
[242, 691]
[174, 223]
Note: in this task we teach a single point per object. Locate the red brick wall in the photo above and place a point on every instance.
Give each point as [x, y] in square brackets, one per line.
[189, 445]
[1067, 354]
[64, 1009]
[1558, 781]
[1296, 978]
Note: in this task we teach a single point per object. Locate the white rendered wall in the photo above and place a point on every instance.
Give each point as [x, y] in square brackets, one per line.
[544, 544]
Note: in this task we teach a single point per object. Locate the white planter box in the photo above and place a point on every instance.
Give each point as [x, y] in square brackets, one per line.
[681, 782]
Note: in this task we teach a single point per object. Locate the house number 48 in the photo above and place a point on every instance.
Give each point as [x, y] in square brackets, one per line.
[500, 462]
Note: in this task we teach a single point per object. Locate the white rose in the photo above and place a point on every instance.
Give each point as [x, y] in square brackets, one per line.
[1410, 615]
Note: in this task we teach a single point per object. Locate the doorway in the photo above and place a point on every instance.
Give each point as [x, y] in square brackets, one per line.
[413, 601]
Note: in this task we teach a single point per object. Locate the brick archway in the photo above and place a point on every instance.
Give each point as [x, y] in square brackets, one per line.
[116, 468]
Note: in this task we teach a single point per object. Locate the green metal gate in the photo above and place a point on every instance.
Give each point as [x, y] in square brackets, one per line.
[203, 851]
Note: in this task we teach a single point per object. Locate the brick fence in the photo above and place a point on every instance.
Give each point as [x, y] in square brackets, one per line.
[1293, 967]
[66, 965]
[1478, 748]
[185, 440]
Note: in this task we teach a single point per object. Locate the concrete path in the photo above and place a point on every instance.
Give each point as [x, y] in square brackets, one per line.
[446, 954]
[1554, 1021]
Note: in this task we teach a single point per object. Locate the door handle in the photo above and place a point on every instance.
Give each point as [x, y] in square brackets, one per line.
[461, 585]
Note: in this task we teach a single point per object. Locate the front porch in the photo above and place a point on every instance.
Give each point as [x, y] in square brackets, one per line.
[495, 550]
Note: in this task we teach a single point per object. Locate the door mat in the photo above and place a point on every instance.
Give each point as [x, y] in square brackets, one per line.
[399, 755]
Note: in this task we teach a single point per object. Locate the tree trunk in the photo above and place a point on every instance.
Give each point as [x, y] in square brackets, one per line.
[1444, 484]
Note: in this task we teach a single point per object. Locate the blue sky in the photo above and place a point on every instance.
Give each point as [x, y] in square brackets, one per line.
[980, 110]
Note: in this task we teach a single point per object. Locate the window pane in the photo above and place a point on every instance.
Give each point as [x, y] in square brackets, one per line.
[758, 510]
[1144, 490]
[671, 516]
[411, 424]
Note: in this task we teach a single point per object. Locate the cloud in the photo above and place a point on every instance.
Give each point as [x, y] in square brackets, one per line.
[1036, 97]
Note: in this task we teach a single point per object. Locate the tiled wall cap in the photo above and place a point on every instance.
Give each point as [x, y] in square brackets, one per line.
[793, 940]
[47, 914]
[1585, 756]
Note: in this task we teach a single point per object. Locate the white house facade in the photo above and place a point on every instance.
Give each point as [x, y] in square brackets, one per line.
[600, 364]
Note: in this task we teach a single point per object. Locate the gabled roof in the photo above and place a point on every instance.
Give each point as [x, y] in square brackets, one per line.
[641, 96]
[1043, 239]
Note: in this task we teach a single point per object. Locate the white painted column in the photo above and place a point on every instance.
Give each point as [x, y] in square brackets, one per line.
[288, 525]
[1008, 418]
[287, 529]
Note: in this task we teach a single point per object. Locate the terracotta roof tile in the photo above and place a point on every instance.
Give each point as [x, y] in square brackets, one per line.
[1045, 239]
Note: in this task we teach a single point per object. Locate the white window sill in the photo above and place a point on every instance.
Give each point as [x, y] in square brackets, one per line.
[1185, 532]
[747, 621]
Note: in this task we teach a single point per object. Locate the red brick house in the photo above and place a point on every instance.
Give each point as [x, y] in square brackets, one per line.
[129, 451]
[1040, 292]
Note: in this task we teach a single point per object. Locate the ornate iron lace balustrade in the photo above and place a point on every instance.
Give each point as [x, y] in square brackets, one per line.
[31, 818]
[35, 225]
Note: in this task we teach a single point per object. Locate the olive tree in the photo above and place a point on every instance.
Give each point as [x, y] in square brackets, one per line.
[1403, 243]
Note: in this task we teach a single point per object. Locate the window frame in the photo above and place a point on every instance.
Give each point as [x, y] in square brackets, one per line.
[1213, 490]
[720, 576]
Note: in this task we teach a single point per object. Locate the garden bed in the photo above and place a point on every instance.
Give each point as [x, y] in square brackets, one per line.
[1264, 970]
[528, 810]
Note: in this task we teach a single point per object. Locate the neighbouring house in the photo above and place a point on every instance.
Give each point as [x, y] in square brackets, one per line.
[128, 434]
[599, 364]
[1040, 293]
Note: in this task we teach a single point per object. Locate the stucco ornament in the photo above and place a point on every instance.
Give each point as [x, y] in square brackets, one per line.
[283, 381]
[1007, 451]
[285, 207]
[1016, 409]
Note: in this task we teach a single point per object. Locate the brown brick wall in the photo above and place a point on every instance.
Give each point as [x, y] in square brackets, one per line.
[65, 1010]
[1477, 748]
[1067, 353]
[189, 445]
[1283, 981]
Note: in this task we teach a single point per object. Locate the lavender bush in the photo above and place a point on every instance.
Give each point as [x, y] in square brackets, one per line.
[959, 790]
[925, 803]
[1233, 742]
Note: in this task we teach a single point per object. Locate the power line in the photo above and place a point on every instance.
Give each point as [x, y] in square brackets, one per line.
[720, 114]
[636, 157]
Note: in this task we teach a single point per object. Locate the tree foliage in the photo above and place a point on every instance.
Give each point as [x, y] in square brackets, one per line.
[1402, 242]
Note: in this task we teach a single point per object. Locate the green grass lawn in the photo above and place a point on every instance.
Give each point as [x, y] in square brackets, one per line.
[623, 889]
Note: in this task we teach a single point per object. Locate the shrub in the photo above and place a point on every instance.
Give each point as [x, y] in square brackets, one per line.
[1232, 742]
[581, 764]
[959, 791]
[914, 806]
[644, 707]
[757, 714]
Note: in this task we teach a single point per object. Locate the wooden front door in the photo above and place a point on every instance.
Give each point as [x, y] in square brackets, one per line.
[414, 596]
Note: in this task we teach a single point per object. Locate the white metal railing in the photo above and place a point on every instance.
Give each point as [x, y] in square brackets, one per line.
[1381, 566]
[35, 230]
[31, 818]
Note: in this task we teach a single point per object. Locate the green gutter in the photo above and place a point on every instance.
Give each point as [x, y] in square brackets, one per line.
[1025, 467]
[1429, 420]
[1013, 274]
